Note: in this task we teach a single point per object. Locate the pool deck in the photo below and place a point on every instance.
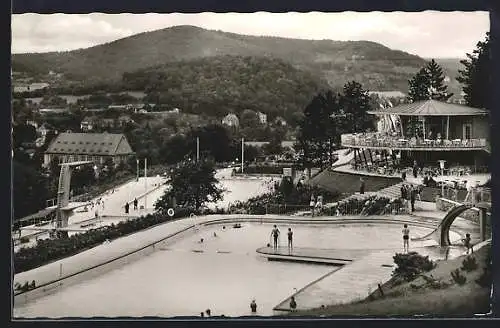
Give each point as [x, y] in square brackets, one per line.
[356, 280]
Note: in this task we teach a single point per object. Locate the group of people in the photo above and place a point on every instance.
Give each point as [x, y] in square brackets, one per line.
[410, 193]
[127, 206]
[275, 233]
[316, 205]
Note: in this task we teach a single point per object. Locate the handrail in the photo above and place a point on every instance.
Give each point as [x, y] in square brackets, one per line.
[374, 139]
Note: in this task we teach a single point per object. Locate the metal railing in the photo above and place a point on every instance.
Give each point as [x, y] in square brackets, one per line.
[375, 139]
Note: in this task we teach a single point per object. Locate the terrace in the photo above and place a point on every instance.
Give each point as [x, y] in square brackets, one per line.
[381, 140]
[426, 126]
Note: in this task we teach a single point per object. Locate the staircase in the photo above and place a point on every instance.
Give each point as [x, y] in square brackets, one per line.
[391, 192]
[348, 183]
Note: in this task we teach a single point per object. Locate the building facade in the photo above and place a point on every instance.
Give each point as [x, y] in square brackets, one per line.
[96, 147]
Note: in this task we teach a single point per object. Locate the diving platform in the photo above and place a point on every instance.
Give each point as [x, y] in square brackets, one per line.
[314, 255]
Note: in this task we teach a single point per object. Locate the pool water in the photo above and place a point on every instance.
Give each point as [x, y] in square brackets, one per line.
[224, 273]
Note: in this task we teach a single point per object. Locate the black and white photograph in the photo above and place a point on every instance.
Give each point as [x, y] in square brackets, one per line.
[251, 165]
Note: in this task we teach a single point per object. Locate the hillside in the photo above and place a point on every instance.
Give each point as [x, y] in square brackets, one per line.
[375, 66]
[217, 85]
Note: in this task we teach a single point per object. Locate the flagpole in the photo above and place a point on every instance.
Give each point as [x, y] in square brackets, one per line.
[145, 183]
[242, 153]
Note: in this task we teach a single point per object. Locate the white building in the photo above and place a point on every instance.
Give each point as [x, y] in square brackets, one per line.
[262, 117]
[231, 120]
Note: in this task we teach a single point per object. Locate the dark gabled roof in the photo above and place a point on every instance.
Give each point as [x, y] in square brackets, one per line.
[106, 144]
[431, 108]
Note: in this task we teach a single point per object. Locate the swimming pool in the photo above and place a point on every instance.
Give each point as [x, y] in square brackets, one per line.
[224, 273]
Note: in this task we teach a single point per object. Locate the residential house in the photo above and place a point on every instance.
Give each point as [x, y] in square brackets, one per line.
[262, 118]
[42, 132]
[280, 121]
[96, 147]
[88, 123]
[231, 120]
[124, 120]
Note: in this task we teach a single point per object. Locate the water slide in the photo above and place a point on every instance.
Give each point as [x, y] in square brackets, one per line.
[445, 224]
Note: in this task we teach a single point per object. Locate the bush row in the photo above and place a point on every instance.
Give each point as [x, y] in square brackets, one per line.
[372, 205]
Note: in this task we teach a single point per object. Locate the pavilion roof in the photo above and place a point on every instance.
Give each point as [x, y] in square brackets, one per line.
[431, 108]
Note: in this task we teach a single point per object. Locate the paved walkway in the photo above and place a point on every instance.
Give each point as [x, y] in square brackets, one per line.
[357, 280]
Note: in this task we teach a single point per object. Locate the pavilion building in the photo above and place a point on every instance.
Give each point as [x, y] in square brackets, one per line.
[426, 132]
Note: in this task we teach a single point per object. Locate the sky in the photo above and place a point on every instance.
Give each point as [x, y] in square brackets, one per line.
[428, 34]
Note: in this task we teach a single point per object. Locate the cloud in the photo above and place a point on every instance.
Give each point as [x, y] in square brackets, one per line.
[38, 33]
[427, 34]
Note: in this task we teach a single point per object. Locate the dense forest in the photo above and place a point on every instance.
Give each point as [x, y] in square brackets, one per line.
[219, 85]
[374, 65]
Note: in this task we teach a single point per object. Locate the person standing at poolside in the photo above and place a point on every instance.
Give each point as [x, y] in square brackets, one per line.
[275, 234]
[467, 243]
[312, 204]
[253, 307]
[413, 195]
[406, 238]
[290, 239]
[293, 304]
[361, 186]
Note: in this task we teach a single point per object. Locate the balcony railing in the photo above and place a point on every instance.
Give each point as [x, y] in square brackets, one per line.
[376, 139]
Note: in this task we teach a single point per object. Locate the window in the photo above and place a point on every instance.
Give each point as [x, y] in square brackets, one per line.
[467, 131]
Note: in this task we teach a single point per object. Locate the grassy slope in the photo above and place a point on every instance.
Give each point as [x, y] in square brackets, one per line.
[403, 300]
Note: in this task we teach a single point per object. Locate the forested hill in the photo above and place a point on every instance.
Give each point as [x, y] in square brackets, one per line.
[374, 65]
[217, 85]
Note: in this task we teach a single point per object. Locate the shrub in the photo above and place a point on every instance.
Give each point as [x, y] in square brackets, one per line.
[24, 240]
[469, 264]
[410, 265]
[458, 277]
[485, 279]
